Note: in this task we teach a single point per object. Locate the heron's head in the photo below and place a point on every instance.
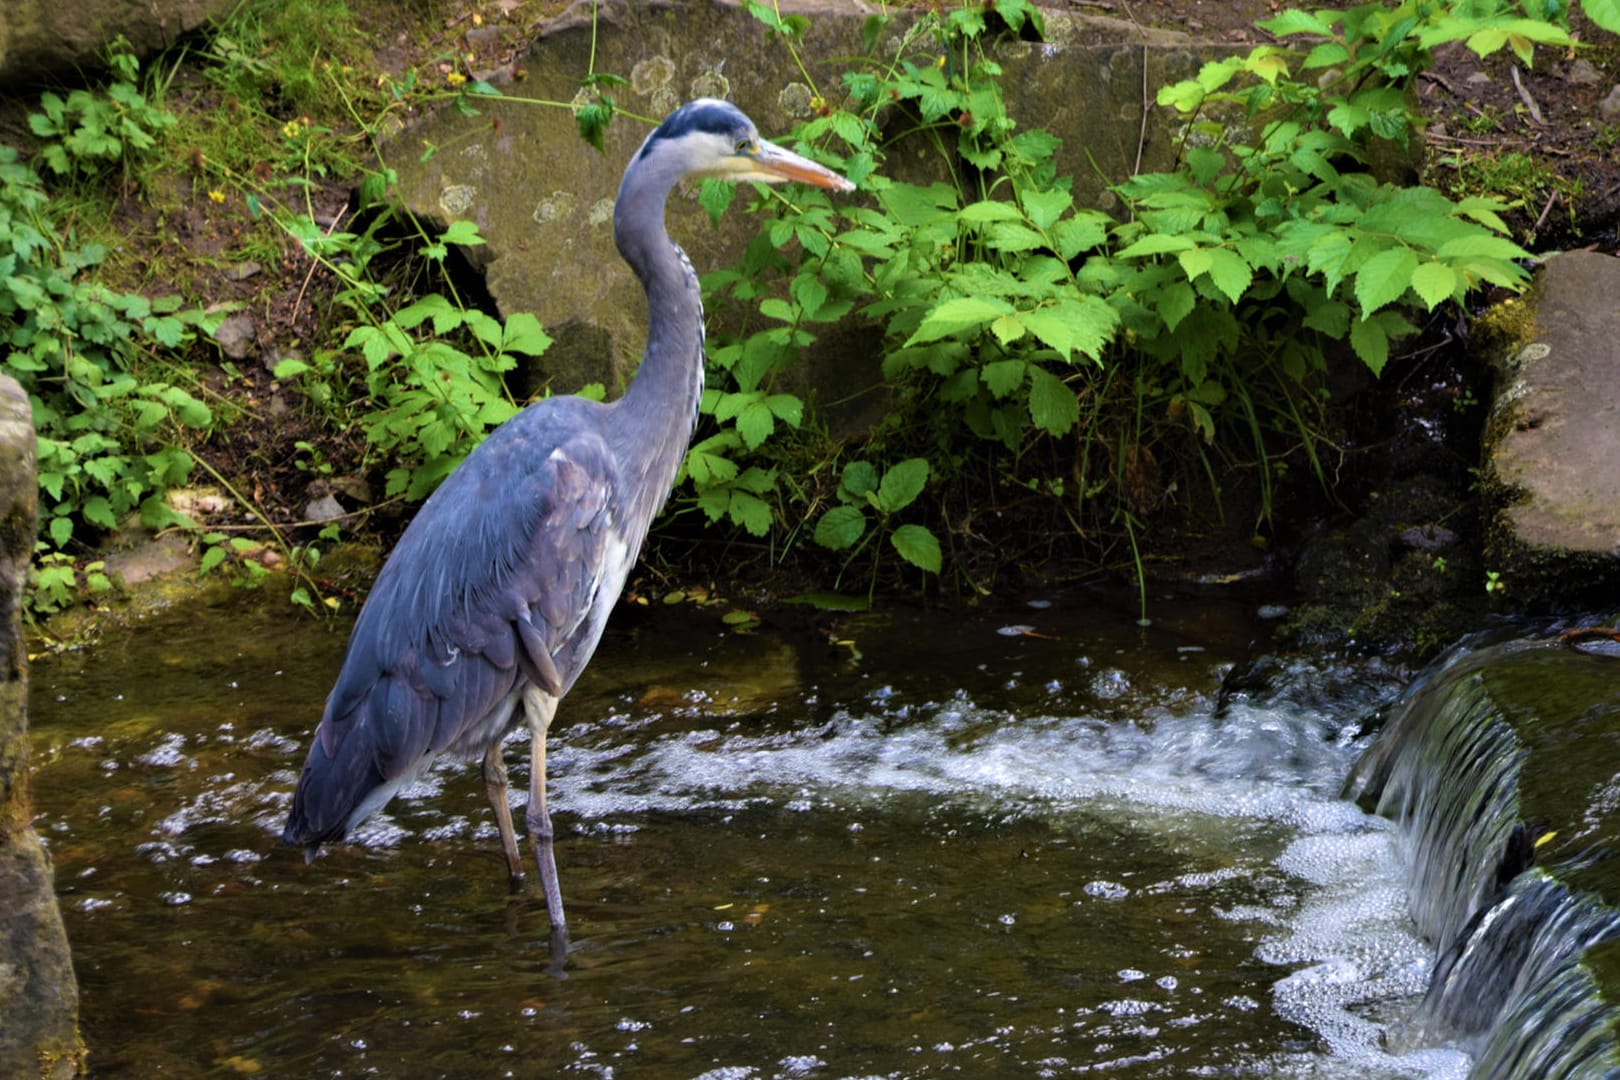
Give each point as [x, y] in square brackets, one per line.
[713, 138]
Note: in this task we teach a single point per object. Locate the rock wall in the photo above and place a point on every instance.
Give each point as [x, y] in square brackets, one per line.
[39, 998]
[47, 37]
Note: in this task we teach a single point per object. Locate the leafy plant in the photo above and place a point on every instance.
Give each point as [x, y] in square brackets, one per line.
[111, 438]
[1203, 323]
[844, 527]
[88, 132]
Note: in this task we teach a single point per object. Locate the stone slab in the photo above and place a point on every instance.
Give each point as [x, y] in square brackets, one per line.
[1552, 452]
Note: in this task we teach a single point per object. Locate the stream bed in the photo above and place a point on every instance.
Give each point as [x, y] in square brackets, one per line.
[1029, 842]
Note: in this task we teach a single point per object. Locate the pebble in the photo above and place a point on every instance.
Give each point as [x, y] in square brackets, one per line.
[1584, 73]
[1609, 107]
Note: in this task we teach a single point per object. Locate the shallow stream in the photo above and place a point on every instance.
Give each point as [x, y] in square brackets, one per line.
[1029, 843]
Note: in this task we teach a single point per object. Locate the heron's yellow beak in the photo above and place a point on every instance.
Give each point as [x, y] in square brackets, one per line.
[770, 164]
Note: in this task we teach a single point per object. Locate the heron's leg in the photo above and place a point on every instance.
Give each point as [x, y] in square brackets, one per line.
[538, 708]
[495, 788]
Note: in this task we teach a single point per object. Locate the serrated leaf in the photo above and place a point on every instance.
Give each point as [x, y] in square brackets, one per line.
[1007, 328]
[1157, 244]
[1370, 342]
[955, 316]
[1081, 232]
[461, 232]
[989, 210]
[1002, 377]
[1230, 273]
[755, 424]
[1493, 247]
[1434, 282]
[1052, 405]
[840, 527]
[1195, 261]
[917, 546]
[787, 408]
[751, 512]
[523, 334]
[1383, 278]
[1294, 21]
[859, 478]
[1175, 302]
[1606, 13]
[1045, 207]
[715, 197]
[902, 484]
[1081, 325]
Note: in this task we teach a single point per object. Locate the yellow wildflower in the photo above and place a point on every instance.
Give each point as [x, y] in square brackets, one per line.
[216, 196]
[291, 129]
[455, 78]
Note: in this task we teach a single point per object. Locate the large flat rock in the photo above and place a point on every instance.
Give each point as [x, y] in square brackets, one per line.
[1552, 452]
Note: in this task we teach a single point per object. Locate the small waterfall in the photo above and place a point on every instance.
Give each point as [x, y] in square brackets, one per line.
[1500, 764]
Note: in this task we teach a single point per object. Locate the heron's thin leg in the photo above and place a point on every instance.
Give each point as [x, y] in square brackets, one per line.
[495, 788]
[538, 708]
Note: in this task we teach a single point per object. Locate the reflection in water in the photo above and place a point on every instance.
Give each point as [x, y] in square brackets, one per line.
[971, 853]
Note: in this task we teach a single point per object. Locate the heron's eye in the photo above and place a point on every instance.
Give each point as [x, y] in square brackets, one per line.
[744, 146]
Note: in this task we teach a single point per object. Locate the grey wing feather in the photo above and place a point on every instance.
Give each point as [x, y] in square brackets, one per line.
[491, 585]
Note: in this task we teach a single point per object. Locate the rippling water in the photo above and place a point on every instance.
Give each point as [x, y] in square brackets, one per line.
[1023, 844]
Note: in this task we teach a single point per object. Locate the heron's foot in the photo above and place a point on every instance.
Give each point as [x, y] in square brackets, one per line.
[559, 952]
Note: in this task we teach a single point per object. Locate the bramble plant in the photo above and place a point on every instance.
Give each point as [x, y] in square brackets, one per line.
[1207, 318]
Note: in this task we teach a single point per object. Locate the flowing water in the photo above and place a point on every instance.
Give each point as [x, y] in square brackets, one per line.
[1025, 844]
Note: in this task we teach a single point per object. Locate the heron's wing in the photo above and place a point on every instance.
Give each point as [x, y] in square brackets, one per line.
[488, 586]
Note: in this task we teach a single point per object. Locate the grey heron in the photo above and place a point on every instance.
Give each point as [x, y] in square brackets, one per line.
[495, 597]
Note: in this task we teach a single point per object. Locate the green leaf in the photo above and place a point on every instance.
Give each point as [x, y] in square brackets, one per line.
[787, 408]
[1383, 278]
[1434, 282]
[1052, 405]
[917, 546]
[523, 334]
[859, 478]
[1157, 244]
[1494, 247]
[1045, 207]
[1230, 273]
[902, 484]
[1367, 337]
[1007, 328]
[755, 424]
[840, 527]
[955, 316]
[461, 232]
[715, 197]
[1175, 302]
[1081, 232]
[989, 210]
[1002, 377]
[1294, 21]
[1082, 325]
[751, 512]
[1606, 13]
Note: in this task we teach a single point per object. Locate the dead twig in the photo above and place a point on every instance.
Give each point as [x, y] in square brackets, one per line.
[1524, 96]
[1545, 210]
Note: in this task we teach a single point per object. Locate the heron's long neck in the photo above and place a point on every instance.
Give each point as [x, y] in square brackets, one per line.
[662, 399]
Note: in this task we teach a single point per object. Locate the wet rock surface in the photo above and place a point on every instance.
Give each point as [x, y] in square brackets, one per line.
[38, 995]
[1498, 764]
